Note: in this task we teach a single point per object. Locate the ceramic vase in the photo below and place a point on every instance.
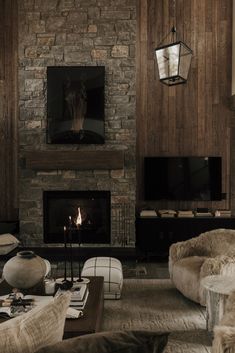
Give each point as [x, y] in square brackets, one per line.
[24, 270]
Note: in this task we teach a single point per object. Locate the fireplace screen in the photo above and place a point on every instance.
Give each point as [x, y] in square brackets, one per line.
[60, 212]
[75, 104]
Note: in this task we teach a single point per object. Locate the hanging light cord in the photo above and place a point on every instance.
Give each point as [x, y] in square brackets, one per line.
[173, 29]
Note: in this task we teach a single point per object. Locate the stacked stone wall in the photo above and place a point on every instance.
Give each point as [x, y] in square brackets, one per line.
[76, 33]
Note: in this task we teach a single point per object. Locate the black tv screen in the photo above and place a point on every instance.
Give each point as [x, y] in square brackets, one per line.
[182, 178]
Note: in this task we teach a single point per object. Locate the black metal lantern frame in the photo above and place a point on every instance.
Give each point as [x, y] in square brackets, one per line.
[174, 61]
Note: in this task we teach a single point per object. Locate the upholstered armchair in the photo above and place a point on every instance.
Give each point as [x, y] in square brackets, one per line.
[210, 253]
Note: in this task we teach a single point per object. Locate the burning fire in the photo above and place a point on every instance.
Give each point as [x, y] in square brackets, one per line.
[79, 218]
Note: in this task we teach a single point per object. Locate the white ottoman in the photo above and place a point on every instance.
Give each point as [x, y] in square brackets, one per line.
[109, 268]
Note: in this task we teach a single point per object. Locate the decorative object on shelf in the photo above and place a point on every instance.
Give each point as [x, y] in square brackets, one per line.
[167, 213]
[24, 270]
[223, 213]
[148, 213]
[185, 213]
[173, 59]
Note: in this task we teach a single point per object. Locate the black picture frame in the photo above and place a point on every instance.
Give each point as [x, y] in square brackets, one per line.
[75, 104]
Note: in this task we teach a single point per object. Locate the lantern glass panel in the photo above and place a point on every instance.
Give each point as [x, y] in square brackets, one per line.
[168, 60]
[185, 61]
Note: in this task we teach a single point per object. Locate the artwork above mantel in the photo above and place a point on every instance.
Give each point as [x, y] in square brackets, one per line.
[75, 104]
[79, 160]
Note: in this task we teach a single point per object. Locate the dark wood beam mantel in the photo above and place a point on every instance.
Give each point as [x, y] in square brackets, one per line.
[77, 160]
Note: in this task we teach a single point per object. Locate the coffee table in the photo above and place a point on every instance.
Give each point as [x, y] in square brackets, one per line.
[218, 289]
[91, 320]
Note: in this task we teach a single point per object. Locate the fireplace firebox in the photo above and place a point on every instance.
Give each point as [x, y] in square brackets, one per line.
[60, 211]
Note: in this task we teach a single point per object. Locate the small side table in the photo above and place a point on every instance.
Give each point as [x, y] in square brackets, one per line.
[218, 289]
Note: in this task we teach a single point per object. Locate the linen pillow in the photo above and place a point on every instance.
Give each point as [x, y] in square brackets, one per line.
[112, 342]
[40, 326]
[8, 239]
[7, 243]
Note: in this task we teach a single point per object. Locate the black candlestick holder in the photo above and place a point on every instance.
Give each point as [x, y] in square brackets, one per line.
[66, 283]
[79, 256]
[80, 278]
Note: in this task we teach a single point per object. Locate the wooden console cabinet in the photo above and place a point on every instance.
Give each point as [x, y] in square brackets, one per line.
[154, 235]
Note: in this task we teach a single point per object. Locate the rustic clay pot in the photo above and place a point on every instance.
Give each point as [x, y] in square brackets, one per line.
[24, 270]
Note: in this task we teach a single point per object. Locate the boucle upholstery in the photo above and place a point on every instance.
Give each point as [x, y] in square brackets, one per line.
[187, 276]
[224, 333]
[210, 253]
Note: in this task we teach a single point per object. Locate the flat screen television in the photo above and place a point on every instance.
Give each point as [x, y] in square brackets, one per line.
[183, 178]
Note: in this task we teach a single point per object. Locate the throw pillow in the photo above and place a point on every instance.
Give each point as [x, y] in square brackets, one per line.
[112, 342]
[7, 243]
[41, 326]
[8, 239]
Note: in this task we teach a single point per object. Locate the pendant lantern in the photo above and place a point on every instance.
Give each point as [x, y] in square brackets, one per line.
[173, 61]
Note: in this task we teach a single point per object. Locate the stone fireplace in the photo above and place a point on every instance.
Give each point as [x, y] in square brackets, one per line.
[77, 33]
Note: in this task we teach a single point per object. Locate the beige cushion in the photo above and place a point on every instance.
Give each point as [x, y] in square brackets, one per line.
[40, 326]
[186, 276]
[7, 243]
[8, 239]
[112, 342]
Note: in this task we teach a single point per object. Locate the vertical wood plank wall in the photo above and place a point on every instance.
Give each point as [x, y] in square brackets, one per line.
[191, 119]
[8, 110]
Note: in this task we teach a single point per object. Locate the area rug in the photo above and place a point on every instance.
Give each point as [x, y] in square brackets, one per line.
[156, 305]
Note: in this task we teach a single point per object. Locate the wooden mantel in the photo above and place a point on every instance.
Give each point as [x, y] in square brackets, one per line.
[81, 160]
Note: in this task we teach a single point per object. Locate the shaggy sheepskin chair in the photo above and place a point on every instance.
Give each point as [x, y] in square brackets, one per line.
[224, 333]
[210, 253]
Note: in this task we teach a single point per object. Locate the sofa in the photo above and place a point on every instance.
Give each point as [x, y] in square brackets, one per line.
[224, 333]
[111, 342]
[210, 253]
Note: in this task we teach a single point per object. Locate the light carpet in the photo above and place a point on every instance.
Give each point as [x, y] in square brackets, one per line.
[155, 304]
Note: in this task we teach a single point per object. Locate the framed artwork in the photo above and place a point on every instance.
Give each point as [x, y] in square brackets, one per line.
[75, 104]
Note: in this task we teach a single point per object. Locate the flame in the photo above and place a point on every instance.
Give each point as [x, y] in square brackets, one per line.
[79, 218]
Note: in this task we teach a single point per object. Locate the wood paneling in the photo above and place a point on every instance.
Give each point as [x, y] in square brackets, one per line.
[191, 119]
[81, 160]
[8, 110]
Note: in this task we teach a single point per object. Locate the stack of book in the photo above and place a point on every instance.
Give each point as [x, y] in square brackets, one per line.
[223, 213]
[203, 214]
[79, 296]
[148, 213]
[167, 213]
[185, 213]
